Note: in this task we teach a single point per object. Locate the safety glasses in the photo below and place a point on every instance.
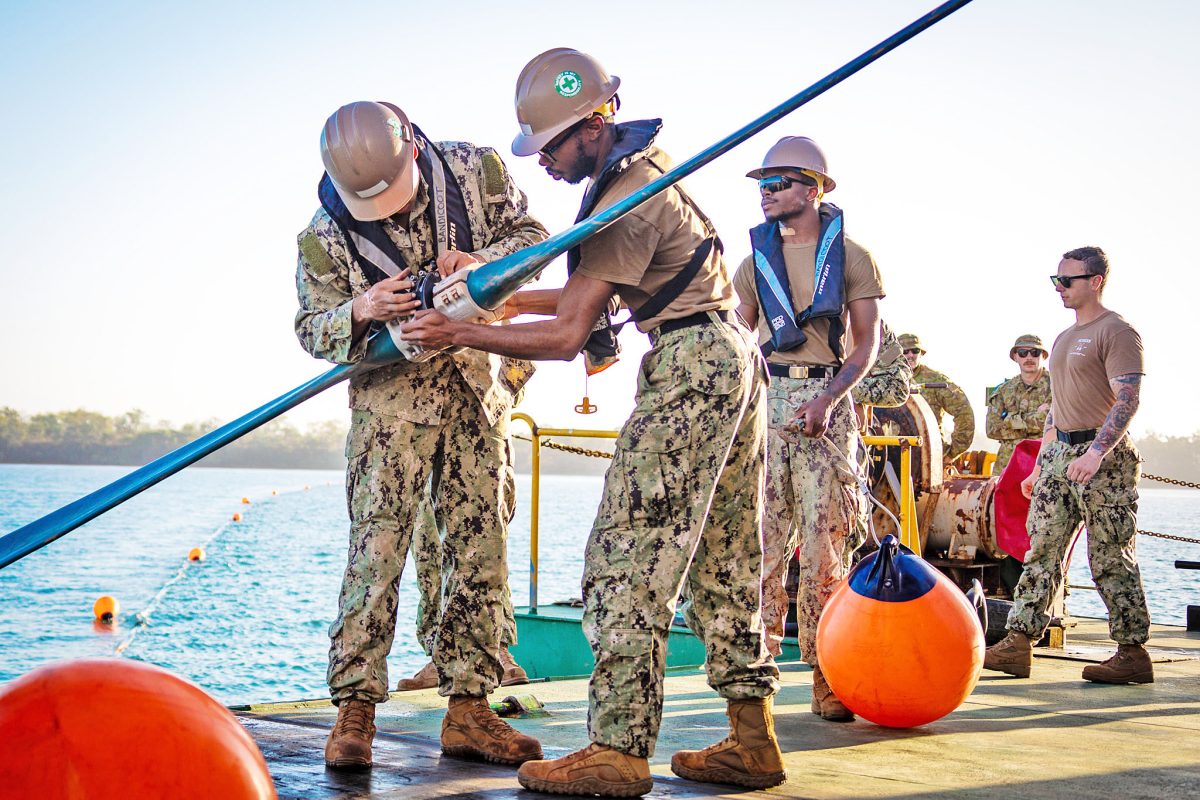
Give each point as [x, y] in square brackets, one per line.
[1065, 281]
[554, 145]
[1024, 352]
[781, 183]
[912, 352]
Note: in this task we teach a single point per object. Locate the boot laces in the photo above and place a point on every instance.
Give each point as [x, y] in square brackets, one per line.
[353, 719]
[491, 722]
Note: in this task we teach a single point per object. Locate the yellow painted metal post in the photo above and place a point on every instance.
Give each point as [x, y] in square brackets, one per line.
[533, 522]
[910, 536]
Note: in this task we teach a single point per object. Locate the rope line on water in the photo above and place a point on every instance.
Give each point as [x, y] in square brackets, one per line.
[143, 616]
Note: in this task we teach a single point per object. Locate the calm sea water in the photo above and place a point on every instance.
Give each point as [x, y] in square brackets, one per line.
[249, 623]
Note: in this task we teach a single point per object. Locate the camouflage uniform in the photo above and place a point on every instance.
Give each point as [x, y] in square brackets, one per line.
[889, 382]
[444, 420]
[953, 401]
[813, 502]
[1107, 504]
[1017, 411]
[426, 551]
[681, 510]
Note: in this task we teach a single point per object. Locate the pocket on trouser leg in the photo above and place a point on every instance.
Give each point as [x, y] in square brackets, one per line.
[655, 471]
[625, 692]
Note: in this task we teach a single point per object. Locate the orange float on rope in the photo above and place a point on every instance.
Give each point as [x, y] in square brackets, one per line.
[898, 642]
[111, 728]
[237, 517]
[273, 493]
[245, 501]
[106, 609]
[196, 554]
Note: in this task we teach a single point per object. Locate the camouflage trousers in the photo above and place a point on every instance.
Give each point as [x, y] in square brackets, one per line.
[681, 512]
[1107, 505]
[391, 462]
[426, 553]
[813, 501]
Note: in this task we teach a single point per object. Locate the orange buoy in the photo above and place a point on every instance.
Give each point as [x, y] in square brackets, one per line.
[106, 609]
[898, 642]
[273, 493]
[245, 501]
[237, 517]
[196, 554]
[112, 728]
[306, 487]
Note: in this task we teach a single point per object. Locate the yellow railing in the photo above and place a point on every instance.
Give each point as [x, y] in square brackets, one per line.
[909, 534]
[536, 435]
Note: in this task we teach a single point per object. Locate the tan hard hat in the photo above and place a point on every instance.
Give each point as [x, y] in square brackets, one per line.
[555, 90]
[369, 152]
[910, 341]
[796, 152]
[1029, 340]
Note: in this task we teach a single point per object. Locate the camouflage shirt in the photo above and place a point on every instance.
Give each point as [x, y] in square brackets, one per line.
[951, 400]
[1017, 411]
[327, 281]
[888, 383]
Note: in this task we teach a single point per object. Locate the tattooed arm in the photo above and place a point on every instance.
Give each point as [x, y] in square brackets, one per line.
[1128, 391]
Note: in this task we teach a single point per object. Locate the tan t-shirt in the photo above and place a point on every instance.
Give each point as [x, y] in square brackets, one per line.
[861, 280]
[1083, 361]
[650, 245]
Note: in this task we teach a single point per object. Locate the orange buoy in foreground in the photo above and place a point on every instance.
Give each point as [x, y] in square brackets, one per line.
[106, 609]
[196, 554]
[237, 517]
[898, 642]
[111, 728]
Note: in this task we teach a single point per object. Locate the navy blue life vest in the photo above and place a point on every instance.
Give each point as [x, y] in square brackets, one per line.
[774, 289]
[632, 140]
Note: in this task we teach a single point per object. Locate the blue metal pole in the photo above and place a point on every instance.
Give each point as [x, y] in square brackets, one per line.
[41, 532]
[493, 283]
[490, 285]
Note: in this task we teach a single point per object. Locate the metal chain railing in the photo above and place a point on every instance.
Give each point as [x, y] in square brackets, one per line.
[568, 448]
[1172, 481]
[1169, 536]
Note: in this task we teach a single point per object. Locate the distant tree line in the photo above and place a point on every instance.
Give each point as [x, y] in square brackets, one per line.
[131, 439]
[85, 437]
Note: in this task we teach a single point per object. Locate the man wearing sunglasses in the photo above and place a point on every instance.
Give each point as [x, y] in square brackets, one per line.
[945, 398]
[813, 295]
[1018, 407]
[1087, 471]
[682, 500]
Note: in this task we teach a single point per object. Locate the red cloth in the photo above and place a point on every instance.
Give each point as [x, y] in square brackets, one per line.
[1009, 505]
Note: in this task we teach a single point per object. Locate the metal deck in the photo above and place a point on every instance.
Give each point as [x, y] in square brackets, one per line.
[1053, 735]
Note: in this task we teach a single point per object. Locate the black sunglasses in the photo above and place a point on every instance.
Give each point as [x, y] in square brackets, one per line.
[781, 183]
[1024, 352]
[556, 144]
[914, 351]
[1065, 281]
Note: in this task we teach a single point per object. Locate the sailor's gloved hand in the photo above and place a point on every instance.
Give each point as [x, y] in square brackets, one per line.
[452, 261]
[385, 301]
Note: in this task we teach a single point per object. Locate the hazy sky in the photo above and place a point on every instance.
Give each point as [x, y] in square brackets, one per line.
[159, 162]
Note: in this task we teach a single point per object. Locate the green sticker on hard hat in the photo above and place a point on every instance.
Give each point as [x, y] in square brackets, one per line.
[397, 127]
[568, 83]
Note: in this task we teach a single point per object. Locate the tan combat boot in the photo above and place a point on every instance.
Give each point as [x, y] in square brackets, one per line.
[1013, 654]
[596, 769]
[425, 678]
[1130, 664]
[472, 730]
[513, 673]
[825, 704]
[349, 743]
[749, 756]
